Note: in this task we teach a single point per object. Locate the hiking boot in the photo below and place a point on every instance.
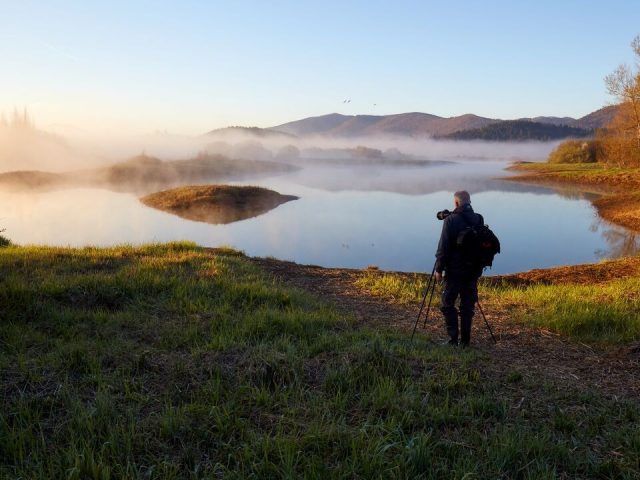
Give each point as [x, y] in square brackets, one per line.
[464, 343]
[451, 342]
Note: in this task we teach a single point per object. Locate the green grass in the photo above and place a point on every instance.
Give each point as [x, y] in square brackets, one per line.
[596, 313]
[168, 361]
[606, 313]
[582, 173]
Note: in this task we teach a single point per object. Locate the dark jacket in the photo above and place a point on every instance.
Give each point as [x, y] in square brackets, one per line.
[448, 257]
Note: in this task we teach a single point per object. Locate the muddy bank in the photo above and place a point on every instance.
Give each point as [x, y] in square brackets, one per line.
[623, 209]
[216, 204]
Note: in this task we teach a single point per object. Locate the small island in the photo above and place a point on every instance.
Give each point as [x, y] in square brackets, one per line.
[217, 204]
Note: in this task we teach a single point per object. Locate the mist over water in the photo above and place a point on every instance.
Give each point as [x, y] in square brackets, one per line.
[362, 201]
[345, 217]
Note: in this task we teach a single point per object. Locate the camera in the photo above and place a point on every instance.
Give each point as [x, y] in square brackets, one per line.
[441, 215]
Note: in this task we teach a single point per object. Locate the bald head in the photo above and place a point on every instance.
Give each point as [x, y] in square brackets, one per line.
[462, 198]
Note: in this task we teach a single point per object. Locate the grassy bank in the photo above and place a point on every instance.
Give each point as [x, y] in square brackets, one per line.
[591, 303]
[620, 203]
[593, 175]
[169, 361]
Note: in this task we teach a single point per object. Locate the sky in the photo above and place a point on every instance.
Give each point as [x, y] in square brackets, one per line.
[190, 66]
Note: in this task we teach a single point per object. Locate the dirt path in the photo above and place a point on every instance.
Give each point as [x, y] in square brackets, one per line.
[520, 349]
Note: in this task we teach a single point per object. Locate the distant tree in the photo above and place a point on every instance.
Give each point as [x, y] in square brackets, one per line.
[251, 150]
[519, 130]
[18, 120]
[4, 241]
[288, 152]
[366, 152]
[621, 138]
[394, 154]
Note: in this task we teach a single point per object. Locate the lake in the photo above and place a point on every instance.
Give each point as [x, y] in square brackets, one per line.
[346, 217]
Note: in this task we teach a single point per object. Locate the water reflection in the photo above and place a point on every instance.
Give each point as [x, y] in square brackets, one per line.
[620, 242]
[344, 218]
[473, 176]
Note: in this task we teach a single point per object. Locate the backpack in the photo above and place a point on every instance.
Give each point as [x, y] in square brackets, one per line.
[478, 245]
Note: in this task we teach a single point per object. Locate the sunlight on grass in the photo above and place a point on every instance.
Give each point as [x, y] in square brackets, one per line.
[172, 361]
[604, 312]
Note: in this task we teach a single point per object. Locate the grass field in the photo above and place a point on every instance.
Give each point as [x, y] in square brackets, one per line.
[601, 312]
[169, 361]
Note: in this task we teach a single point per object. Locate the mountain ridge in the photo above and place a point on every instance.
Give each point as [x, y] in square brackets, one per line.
[419, 124]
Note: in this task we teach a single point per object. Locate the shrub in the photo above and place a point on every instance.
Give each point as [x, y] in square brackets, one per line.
[4, 241]
[619, 141]
[575, 151]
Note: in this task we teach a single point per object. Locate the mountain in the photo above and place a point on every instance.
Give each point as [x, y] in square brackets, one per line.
[313, 125]
[417, 124]
[519, 130]
[597, 119]
[410, 124]
[591, 121]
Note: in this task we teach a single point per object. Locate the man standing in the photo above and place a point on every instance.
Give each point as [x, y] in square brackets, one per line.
[460, 279]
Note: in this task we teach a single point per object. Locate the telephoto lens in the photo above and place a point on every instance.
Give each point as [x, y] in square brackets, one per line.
[443, 214]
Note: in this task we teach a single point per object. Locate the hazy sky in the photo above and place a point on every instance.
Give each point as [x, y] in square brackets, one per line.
[191, 66]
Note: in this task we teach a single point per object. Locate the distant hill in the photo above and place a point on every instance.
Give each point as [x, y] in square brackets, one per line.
[597, 119]
[519, 130]
[230, 132]
[591, 121]
[417, 124]
[405, 124]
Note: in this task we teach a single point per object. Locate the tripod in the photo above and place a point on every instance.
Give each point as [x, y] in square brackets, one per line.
[431, 286]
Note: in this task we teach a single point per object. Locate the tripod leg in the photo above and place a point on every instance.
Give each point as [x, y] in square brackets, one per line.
[424, 299]
[487, 323]
[433, 289]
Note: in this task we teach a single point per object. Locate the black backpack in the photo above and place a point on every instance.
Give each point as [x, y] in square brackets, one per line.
[478, 245]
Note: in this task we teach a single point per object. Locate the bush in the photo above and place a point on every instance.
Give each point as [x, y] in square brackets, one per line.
[619, 141]
[575, 151]
[4, 241]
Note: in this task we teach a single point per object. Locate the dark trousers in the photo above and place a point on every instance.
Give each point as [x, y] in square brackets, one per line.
[465, 286]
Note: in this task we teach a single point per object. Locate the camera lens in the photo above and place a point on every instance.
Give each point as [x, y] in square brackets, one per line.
[441, 215]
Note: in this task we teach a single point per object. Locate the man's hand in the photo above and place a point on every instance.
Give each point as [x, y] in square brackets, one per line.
[438, 277]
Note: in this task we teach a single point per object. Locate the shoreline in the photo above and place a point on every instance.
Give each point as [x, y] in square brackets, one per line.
[618, 189]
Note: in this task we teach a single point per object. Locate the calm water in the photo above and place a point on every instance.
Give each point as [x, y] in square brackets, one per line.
[344, 218]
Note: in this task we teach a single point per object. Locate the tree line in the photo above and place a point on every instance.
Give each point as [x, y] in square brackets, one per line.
[617, 144]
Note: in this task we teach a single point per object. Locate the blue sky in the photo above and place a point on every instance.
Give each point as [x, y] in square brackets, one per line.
[189, 66]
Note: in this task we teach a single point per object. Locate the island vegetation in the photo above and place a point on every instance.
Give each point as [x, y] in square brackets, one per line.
[145, 173]
[216, 204]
